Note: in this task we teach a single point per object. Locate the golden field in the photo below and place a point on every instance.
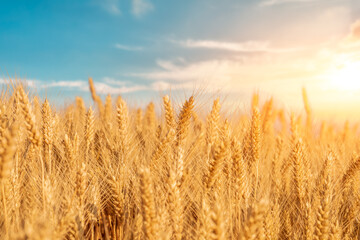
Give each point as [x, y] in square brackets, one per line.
[111, 172]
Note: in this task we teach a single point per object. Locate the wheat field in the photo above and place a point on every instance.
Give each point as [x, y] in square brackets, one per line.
[111, 172]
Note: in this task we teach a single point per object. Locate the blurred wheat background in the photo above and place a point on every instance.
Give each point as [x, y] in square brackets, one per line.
[111, 172]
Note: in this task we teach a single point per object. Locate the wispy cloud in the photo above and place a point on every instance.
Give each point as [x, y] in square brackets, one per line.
[278, 2]
[138, 7]
[68, 84]
[168, 65]
[106, 85]
[209, 70]
[27, 82]
[141, 7]
[166, 85]
[101, 87]
[111, 6]
[113, 81]
[232, 75]
[104, 88]
[209, 75]
[248, 46]
[128, 48]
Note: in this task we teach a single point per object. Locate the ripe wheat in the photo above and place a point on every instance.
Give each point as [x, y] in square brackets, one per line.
[113, 172]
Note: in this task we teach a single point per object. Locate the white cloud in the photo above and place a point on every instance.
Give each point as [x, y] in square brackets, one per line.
[101, 87]
[111, 6]
[231, 75]
[168, 65]
[27, 82]
[128, 48]
[112, 86]
[69, 84]
[138, 7]
[190, 72]
[248, 46]
[113, 81]
[141, 7]
[163, 86]
[106, 86]
[277, 2]
[32, 82]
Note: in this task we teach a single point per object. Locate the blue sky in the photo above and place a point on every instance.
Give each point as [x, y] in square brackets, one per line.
[138, 48]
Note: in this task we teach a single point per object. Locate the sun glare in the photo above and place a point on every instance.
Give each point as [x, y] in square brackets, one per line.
[346, 76]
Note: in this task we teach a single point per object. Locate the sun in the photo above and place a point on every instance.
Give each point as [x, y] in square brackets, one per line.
[346, 76]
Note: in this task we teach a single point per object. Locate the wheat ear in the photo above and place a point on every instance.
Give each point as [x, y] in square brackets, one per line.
[148, 205]
[47, 134]
[169, 113]
[95, 97]
[253, 228]
[123, 122]
[8, 149]
[29, 118]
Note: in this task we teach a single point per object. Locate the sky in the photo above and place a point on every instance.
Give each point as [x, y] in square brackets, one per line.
[141, 49]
